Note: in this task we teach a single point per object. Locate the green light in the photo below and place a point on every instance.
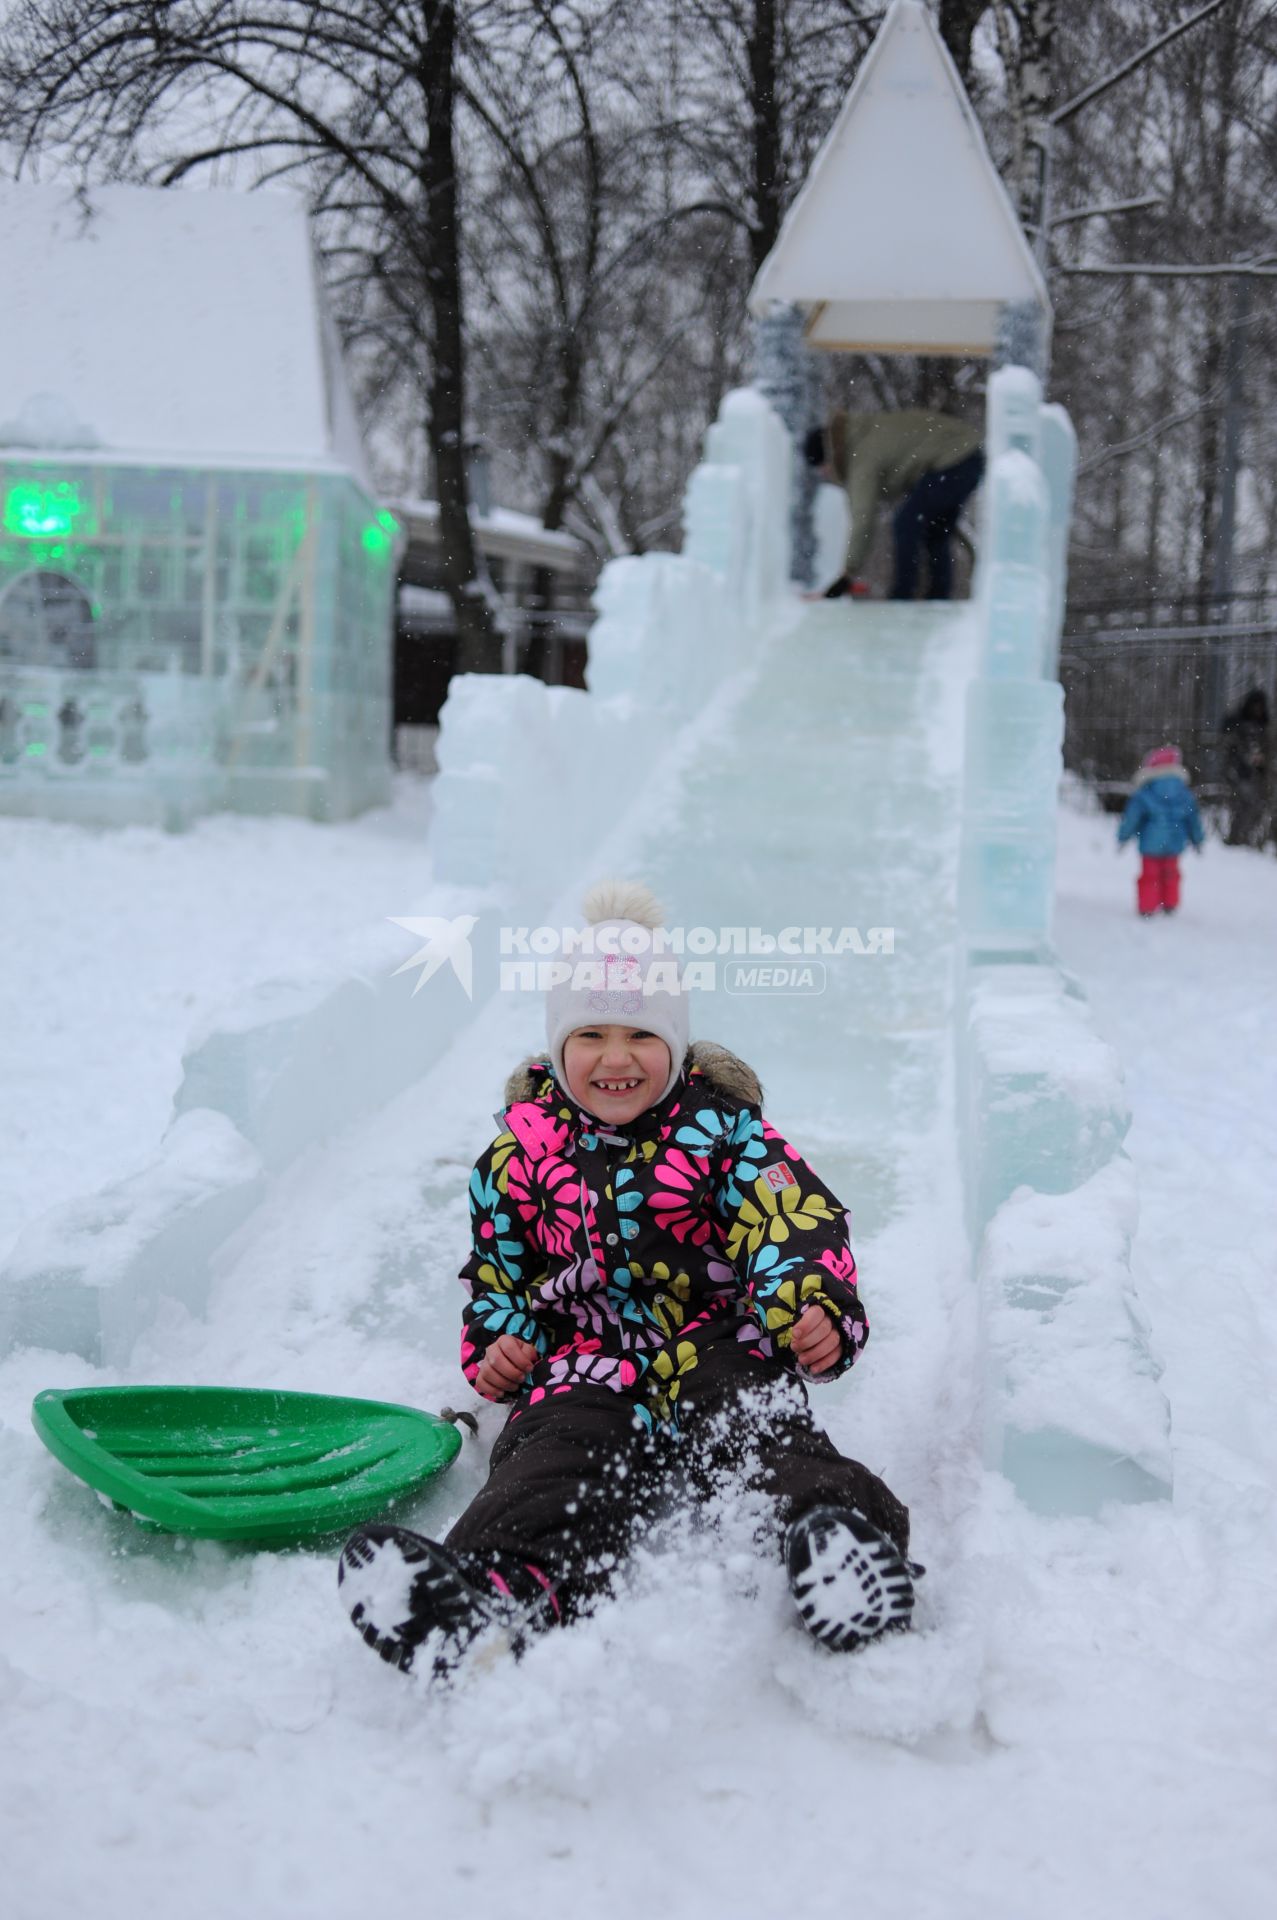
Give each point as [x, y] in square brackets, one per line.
[379, 535]
[35, 748]
[39, 512]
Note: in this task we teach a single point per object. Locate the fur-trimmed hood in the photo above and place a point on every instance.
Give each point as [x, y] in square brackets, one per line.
[1168, 770]
[725, 1073]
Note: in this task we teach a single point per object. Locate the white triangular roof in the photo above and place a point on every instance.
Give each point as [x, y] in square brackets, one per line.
[167, 325]
[902, 238]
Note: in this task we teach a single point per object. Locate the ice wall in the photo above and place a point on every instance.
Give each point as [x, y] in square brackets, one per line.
[91, 1276]
[1075, 1416]
[286, 1066]
[533, 778]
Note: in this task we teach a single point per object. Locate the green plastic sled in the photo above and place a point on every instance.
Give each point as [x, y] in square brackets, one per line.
[236, 1463]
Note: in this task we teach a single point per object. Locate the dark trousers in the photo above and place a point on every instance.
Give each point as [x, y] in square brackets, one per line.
[574, 1480]
[1245, 813]
[926, 517]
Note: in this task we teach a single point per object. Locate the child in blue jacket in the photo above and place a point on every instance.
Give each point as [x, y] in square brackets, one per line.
[1163, 814]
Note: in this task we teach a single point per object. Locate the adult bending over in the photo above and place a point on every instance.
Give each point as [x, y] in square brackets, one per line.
[925, 465]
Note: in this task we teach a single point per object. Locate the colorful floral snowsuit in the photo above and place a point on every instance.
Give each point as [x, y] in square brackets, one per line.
[659, 1269]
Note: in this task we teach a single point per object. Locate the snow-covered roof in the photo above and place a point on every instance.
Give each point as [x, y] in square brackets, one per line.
[902, 238]
[501, 531]
[426, 603]
[155, 324]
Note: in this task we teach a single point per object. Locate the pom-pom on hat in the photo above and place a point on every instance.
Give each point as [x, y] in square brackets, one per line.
[609, 900]
[615, 981]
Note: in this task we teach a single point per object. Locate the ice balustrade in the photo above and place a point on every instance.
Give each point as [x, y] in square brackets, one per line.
[148, 743]
[1075, 1415]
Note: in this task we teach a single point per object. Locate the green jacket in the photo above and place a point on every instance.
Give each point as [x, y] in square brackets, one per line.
[880, 456]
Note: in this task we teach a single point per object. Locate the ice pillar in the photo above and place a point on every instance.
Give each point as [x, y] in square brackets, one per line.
[787, 374]
[1076, 1416]
[1015, 717]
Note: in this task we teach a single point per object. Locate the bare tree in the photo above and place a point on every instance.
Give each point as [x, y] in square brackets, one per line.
[357, 98]
[638, 158]
[724, 104]
[1032, 90]
[1190, 134]
[542, 218]
[760, 83]
[957, 21]
[572, 242]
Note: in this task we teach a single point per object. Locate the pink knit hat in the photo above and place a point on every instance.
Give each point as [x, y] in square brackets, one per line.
[1163, 757]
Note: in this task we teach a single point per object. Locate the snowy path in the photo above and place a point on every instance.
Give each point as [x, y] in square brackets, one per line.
[1084, 1726]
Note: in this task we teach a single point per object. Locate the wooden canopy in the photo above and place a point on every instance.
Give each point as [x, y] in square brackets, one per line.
[902, 239]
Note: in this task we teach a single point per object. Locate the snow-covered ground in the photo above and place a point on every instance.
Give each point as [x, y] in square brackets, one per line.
[1082, 1727]
[119, 946]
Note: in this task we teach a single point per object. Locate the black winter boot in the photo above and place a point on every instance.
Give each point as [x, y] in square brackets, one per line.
[400, 1588]
[849, 1581]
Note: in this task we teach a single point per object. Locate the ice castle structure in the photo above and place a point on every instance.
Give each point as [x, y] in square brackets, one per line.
[196, 575]
[536, 783]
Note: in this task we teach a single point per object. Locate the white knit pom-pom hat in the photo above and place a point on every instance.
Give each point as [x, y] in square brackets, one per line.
[617, 987]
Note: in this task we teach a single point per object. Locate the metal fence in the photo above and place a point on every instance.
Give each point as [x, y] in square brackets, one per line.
[1140, 674]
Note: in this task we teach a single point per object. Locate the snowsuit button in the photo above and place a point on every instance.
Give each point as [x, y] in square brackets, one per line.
[611, 1239]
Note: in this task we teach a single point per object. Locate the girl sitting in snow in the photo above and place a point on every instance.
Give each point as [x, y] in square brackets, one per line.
[1163, 812]
[654, 1275]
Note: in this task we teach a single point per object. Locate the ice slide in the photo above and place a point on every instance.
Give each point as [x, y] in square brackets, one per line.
[890, 771]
